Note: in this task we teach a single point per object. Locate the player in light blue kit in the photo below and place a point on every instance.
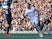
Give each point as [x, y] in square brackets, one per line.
[34, 19]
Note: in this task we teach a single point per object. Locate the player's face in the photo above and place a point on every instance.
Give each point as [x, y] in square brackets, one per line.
[28, 6]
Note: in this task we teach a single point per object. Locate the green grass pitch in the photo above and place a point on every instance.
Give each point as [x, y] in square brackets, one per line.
[25, 36]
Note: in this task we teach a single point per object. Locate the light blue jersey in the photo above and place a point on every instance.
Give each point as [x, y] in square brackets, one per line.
[33, 16]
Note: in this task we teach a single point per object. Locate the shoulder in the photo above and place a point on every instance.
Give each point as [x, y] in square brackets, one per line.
[33, 8]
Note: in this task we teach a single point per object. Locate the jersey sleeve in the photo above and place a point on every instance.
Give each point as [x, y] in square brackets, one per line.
[40, 11]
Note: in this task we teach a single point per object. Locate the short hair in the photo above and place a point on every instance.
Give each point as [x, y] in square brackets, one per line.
[29, 4]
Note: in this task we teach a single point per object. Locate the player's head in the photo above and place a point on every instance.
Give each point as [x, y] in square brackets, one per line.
[28, 5]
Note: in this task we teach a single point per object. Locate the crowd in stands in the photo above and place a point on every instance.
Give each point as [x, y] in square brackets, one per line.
[20, 22]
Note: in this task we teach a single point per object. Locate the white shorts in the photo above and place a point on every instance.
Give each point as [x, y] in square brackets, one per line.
[34, 21]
